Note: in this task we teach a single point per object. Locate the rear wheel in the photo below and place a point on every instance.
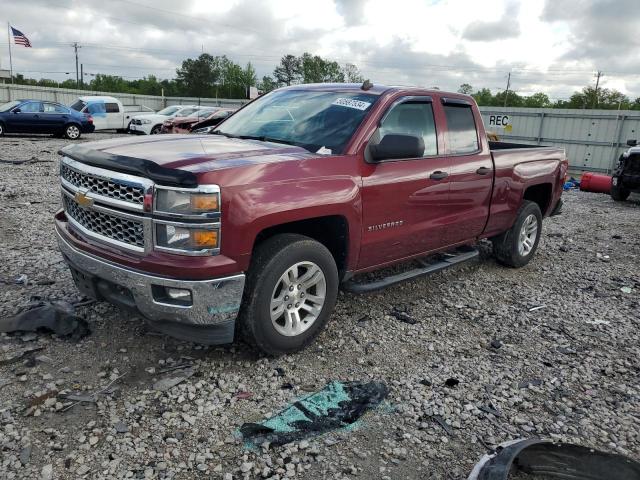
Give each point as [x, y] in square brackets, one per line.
[291, 290]
[156, 129]
[516, 246]
[72, 132]
[619, 193]
[1, 129]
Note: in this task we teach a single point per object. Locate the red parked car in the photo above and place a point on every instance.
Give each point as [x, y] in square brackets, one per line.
[250, 231]
[185, 124]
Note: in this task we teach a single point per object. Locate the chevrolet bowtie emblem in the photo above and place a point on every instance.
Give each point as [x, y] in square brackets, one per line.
[82, 199]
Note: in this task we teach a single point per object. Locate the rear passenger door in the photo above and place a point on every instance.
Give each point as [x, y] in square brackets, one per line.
[471, 175]
[404, 201]
[114, 115]
[54, 117]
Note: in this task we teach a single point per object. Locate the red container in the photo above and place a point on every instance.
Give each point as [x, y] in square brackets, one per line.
[594, 182]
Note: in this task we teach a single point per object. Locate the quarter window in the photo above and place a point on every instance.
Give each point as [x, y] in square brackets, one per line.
[412, 118]
[461, 129]
[112, 107]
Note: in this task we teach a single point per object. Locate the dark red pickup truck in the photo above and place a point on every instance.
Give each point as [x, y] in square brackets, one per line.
[252, 229]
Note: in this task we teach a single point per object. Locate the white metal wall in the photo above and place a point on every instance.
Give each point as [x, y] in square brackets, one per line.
[593, 139]
[68, 96]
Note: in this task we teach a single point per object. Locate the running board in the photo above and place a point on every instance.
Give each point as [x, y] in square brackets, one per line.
[448, 260]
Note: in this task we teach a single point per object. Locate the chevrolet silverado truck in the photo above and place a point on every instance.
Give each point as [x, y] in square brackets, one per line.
[251, 230]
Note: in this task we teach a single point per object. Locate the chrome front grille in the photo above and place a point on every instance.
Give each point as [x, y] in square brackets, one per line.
[110, 188]
[123, 230]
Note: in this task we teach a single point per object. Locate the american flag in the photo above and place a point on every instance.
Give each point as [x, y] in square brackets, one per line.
[20, 39]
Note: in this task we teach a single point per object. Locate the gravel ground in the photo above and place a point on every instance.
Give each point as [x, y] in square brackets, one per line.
[567, 370]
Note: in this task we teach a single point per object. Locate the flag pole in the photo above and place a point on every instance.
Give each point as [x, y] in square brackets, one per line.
[10, 59]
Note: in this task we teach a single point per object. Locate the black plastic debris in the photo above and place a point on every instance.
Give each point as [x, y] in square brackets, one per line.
[58, 317]
[403, 317]
[545, 459]
[451, 382]
[337, 405]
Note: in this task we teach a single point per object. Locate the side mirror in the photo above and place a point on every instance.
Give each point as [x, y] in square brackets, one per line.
[632, 143]
[16, 110]
[397, 146]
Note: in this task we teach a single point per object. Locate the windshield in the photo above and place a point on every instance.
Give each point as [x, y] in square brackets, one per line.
[78, 105]
[311, 119]
[169, 111]
[8, 106]
[202, 113]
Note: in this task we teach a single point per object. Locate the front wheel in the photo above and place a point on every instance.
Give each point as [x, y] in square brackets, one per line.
[72, 132]
[618, 192]
[291, 290]
[156, 130]
[1, 129]
[516, 246]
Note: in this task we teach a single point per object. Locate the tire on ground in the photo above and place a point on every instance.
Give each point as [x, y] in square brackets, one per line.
[1, 129]
[619, 193]
[270, 261]
[72, 131]
[505, 246]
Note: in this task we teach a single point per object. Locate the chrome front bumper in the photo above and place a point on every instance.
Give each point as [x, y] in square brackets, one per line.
[215, 302]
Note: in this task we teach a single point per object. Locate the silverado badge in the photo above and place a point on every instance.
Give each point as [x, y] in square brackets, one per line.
[82, 199]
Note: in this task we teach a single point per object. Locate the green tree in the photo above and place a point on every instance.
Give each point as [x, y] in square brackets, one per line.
[537, 100]
[199, 75]
[267, 84]
[483, 97]
[352, 74]
[289, 70]
[315, 69]
[466, 89]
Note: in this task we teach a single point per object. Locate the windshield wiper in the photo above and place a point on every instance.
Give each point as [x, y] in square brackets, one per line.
[228, 135]
[263, 138]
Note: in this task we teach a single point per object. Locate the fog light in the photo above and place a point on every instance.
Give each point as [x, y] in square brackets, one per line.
[180, 297]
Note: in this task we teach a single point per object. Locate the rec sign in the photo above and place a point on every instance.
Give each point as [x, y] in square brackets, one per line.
[499, 120]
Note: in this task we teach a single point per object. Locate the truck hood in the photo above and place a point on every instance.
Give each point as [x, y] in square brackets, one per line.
[185, 155]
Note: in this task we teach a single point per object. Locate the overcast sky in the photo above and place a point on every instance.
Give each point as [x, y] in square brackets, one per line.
[553, 46]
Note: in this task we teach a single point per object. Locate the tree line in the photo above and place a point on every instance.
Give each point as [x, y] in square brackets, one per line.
[209, 76]
[588, 97]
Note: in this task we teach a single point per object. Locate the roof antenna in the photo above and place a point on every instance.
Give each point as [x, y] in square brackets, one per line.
[366, 85]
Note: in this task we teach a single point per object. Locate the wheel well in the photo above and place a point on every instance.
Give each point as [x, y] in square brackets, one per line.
[540, 194]
[331, 231]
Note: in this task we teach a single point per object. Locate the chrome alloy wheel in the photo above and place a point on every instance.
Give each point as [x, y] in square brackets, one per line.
[297, 299]
[73, 132]
[528, 234]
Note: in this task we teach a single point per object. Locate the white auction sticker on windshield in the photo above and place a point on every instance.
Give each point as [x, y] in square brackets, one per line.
[351, 103]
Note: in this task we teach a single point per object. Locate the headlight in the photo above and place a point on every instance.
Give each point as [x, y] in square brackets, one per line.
[187, 203]
[145, 122]
[188, 238]
[204, 130]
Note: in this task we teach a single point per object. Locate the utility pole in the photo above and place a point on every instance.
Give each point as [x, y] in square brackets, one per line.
[506, 92]
[82, 75]
[75, 48]
[10, 59]
[595, 100]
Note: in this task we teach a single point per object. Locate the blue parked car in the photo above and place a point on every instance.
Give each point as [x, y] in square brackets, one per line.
[38, 116]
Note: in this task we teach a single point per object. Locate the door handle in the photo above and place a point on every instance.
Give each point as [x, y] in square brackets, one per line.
[438, 175]
[483, 171]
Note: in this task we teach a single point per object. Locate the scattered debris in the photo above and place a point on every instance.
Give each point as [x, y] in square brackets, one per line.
[16, 357]
[243, 395]
[40, 399]
[403, 317]
[626, 290]
[451, 382]
[545, 459]
[539, 307]
[602, 257]
[337, 405]
[58, 317]
[171, 381]
[533, 382]
[489, 409]
[496, 343]
[90, 398]
[445, 426]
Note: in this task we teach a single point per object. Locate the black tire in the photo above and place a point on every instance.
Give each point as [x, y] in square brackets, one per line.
[155, 130]
[1, 129]
[506, 246]
[271, 260]
[72, 131]
[619, 193]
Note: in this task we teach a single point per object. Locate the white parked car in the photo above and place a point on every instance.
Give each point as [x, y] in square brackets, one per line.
[108, 112]
[151, 124]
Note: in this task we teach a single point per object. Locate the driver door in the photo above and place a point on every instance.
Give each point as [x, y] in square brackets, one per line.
[405, 200]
